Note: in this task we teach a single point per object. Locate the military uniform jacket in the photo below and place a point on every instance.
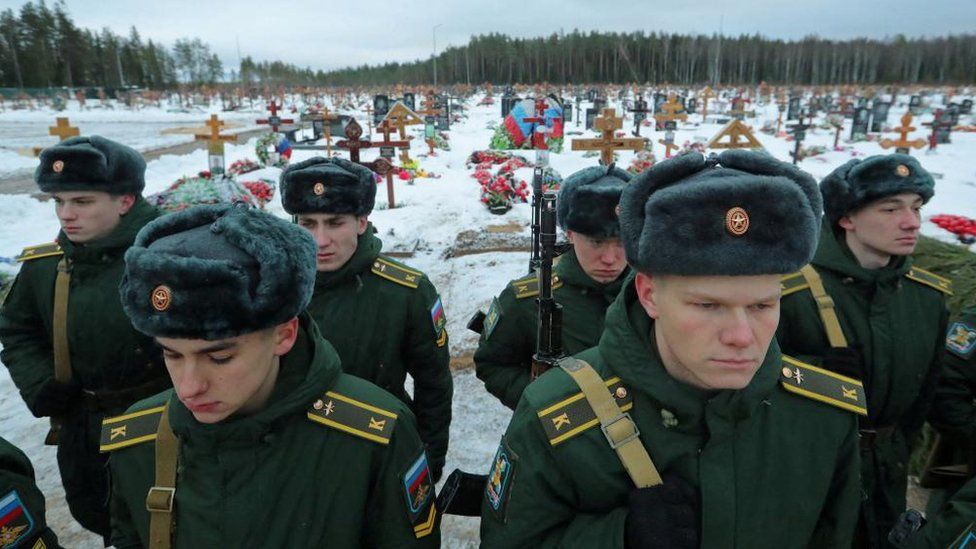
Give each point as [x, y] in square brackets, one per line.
[332, 461]
[22, 519]
[953, 412]
[386, 320]
[504, 356]
[955, 520]
[773, 468]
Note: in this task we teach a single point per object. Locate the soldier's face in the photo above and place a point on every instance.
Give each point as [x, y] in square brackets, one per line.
[336, 237]
[216, 379]
[712, 332]
[602, 259]
[883, 228]
[86, 216]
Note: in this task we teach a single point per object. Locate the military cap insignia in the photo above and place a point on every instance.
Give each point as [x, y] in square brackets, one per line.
[395, 272]
[500, 478]
[571, 416]
[792, 283]
[932, 280]
[16, 522]
[529, 286]
[439, 321]
[736, 221]
[966, 540]
[41, 250]
[491, 319]
[902, 170]
[130, 429]
[823, 385]
[418, 489]
[961, 339]
[57, 166]
[354, 417]
[162, 296]
[318, 189]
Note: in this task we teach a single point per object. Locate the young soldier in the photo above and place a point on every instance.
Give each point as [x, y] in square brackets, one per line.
[585, 281]
[70, 349]
[863, 310]
[263, 441]
[385, 319]
[756, 449]
[22, 522]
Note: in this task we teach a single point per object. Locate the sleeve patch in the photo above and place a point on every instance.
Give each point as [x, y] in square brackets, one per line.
[961, 339]
[439, 321]
[823, 385]
[16, 522]
[395, 272]
[418, 490]
[354, 417]
[498, 489]
[491, 319]
[966, 539]
[130, 429]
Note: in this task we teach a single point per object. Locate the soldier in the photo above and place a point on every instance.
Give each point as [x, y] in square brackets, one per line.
[757, 449]
[384, 318]
[22, 522]
[586, 280]
[952, 526]
[69, 347]
[879, 318]
[273, 444]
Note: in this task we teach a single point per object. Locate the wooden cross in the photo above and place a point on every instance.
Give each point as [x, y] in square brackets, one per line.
[607, 123]
[215, 144]
[799, 131]
[400, 117]
[706, 94]
[739, 136]
[668, 145]
[672, 111]
[838, 123]
[274, 120]
[738, 109]
[352, 142]
[903, 145]
[369, 119]
[63, 129]
[382, 165]
[640, 111]
[327, 129]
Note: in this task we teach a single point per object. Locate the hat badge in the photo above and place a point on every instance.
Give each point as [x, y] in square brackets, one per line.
[161, 298]
[319, 189]
[58, 166]
[902, 170]
[736, 221]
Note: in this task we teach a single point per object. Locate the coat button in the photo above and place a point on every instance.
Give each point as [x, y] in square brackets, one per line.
[668, 419]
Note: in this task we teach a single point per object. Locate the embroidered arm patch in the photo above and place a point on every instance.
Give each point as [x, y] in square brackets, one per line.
[961, 339]
[16, 522]
[439, 321]
[418, 491]
[491, 319]
[498, 489]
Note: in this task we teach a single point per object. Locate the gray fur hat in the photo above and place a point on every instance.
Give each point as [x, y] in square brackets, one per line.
[91, 164]
[738, 213]
[860, 182]
[588, 201]
[328, 185]
[215, 272]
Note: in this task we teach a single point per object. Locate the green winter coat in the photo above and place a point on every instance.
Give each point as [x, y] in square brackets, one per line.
[953, 410]
[897, 317]
[386, 321]
[773, 469]
[22, 519]
[107, 354]
[283, 477]
[504, 356]
[954, 519]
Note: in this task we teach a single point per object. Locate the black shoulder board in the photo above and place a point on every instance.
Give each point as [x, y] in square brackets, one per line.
[528, 286]
[571, 416]
[395, 271]
[39, 251]
[354, 417]
[130, 429]
[792, 283]
[823, 385]
[922, 276]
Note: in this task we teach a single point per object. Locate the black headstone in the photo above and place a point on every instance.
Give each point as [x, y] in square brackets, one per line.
[381, 106]
[659, 99]
[508, 101]
[692, 106]
[879, 116]
[915, 105]
[793, 110]
[410, 100]
[859, 126]
[591, 115]
[966, 107]
[953, 113]
[567, 109]
[599, 103]
[443, 123]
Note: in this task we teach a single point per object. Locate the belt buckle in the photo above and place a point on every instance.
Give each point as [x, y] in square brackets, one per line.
[160, 499]
[622, 417]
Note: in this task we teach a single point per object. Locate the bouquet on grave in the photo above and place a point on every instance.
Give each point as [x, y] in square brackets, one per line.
[410, 171]
[501, 140]
[811, 151]
[696, 146]
[242, 167]
[499, 193]
[642, 161]
[490, 157]
[551, 179]
[440, 141]
[273, 143]
[963, 227]
[187, 192]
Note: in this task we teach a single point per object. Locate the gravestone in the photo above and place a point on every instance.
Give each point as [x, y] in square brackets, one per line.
[591, 115]
[915, 105]
[859, 125]
[691, 106]
[953, 113]
[793, 109]
[381, 106]
[966, 107]
[659, 100]
[599, 103]
[410, 100]
[567, 109]
[508, 101]
[879, 116]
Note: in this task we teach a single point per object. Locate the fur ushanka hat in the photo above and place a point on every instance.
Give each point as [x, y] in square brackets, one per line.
[328, 185]
[91, 164]
[588, 201]
[860, 182]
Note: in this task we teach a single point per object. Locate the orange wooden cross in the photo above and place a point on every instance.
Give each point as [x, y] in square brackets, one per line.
[668, 146]
[215, 144]
[608, 123]
[399, 117]
[327, 129]
[738, 136]
[672, 111]
[63, 129]
[903, 145]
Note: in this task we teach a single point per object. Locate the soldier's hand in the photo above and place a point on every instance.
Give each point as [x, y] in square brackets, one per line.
[846, 361]
[55, 398]
[663, 516]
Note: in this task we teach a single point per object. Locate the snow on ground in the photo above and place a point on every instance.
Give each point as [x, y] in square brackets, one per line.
[430, 214]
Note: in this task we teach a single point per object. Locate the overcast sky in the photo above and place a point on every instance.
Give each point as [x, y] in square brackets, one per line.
[326, 34]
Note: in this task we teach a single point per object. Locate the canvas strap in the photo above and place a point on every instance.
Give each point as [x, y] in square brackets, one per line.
[825, 304]
[159, 501]
[617, 426]
[62, 355]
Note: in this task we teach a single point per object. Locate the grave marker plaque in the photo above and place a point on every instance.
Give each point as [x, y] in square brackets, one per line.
[859, 125]
[793, 109]
[381, 106]
[915, 105]
[410, 100]
[691, 107]
[879, 116]
[591, 115]
[966, 107]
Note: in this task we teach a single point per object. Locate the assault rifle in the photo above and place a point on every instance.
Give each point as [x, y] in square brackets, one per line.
[537, 194]
[549, 345]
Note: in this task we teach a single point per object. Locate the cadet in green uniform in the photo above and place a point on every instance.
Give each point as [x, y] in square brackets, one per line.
[70, 349]
[756, 449]
[22, 522]
[384, 318]
[585, 281]
[882, 320]
[263, 440]
[952, 526]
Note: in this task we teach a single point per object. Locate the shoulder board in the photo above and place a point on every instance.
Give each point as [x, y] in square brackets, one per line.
[922, 276]
[528, 286]
[792, 283]
[394, 271]
[823, 385]
[130, 429]
[570, 417]
[39, 251]
[354, 417]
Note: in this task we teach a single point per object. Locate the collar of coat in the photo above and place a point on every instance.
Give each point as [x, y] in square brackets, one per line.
[115, 243]
[834, 254]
